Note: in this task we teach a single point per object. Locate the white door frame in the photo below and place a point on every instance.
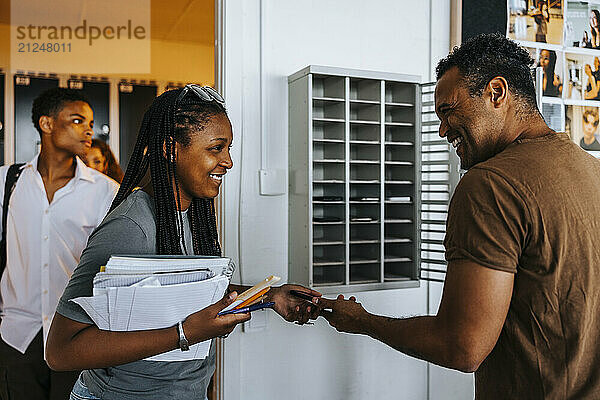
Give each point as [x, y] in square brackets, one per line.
[219, 59]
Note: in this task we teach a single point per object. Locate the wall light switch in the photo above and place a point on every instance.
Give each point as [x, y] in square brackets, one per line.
[273, 182]
[257, 323]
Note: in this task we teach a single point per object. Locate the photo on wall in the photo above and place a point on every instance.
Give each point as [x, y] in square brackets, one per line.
[553, 115]
[536, 21]
[582, 127]
[583, 75]
[552, 66]
[582, 24]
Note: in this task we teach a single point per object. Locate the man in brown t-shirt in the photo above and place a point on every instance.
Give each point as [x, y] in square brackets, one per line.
[521, 301]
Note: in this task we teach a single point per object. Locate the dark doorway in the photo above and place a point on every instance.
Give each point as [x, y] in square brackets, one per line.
[133, 101]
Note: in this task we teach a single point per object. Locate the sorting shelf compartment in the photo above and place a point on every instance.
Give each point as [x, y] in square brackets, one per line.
[365, 90]
[328, 86]
[328, 130]
[353, 162]
[328, 109]
[365, 133]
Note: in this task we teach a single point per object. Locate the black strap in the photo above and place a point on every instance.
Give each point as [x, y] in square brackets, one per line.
[11, 179]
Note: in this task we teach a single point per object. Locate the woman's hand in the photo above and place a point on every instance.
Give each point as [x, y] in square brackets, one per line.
[290, 307]
[556, 82]
[585, 40]
[207, 324]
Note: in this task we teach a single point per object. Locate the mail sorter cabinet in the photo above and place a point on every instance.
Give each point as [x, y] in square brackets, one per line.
[354, 164]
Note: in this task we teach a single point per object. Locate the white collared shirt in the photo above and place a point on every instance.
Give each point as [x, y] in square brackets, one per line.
[43, 245]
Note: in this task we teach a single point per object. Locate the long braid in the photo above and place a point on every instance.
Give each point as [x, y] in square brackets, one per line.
[157, 168]
[161, 127]
[206, 241]
[168, 237]
[178, 202]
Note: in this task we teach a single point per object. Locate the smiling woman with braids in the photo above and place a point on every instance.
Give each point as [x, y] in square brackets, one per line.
[184, 141]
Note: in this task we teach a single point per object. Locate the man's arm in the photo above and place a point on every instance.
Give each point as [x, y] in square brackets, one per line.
[474, 305]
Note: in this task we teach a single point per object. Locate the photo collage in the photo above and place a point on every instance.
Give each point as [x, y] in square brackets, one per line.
[563, 37]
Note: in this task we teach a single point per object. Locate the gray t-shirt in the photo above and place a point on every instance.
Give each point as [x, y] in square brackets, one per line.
[131, 229]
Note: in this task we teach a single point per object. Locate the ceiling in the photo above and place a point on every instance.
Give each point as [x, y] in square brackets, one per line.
[183, 20]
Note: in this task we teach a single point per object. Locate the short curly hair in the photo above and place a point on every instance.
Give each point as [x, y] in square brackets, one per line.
[50, 102]
[486, 56]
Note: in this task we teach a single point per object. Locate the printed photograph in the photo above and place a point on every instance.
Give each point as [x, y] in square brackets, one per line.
[583, 75]
[582, 126]
[582, 26]
[553, 115]
[536, 20]
[552, 65]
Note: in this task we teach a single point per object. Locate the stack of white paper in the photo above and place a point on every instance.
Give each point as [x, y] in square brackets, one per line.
[123, 264]
[154, 292]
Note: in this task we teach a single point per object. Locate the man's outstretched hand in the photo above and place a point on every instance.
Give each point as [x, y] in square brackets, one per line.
[344, 315]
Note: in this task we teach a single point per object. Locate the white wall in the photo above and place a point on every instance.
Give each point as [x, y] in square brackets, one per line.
[273, 359]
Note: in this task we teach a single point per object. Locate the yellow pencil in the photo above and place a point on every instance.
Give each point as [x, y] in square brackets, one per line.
[251, 299]
[261, 298]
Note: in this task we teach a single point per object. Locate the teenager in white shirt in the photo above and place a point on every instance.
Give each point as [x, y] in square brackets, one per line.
[56, 203]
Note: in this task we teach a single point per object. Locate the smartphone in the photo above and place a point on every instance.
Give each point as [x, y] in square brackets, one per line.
[303, 295]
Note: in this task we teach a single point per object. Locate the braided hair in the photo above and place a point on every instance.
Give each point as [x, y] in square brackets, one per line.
[165, 123]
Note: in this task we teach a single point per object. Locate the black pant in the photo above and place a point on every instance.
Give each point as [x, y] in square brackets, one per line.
[28, 377]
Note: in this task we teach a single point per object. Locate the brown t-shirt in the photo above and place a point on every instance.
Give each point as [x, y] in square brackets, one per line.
[534, 210]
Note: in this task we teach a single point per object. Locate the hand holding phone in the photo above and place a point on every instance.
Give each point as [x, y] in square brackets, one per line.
[302, 295]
